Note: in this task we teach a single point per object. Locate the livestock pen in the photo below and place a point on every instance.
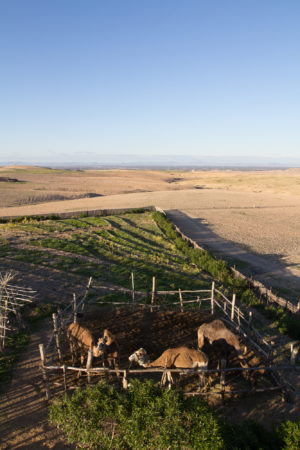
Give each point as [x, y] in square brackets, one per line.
[153, 320]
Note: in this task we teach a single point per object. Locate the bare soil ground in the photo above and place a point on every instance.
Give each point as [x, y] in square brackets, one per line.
[23, 410]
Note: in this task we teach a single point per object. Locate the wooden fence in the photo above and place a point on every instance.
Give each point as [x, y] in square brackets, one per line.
[256, 285]
[12, 299]
[214, 300]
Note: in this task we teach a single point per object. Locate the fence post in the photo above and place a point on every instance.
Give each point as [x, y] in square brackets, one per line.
[153, 293]
[125, 380]
[250, 320]
[181, 301]
[294, 353]
[238, 317]
[222, 378]
[74, 309]
[44, 373]
[199, 301]
[89, 364]
[85, 294]
[132, 290]
[56, 334]
[212, 298]
[232, 307]
[65, 377]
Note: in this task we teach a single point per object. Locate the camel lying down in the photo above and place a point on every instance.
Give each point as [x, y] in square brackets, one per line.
[180, 357]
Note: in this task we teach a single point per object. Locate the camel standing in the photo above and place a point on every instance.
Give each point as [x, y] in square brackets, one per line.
[216, 332]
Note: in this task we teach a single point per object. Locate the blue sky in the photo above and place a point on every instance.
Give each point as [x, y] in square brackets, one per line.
[85, 81]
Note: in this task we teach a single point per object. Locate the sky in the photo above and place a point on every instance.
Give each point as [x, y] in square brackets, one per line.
[150, 81]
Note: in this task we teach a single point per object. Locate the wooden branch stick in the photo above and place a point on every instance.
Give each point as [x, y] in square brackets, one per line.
[89, 365]
[132, 291]
[153, 293]
[44, 373]
[74, 309]
[56, 334]
[232, 307]
[212, 298]
[181, 302]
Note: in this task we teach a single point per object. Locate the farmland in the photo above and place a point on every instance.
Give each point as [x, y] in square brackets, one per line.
[56, 257]
[252, 218]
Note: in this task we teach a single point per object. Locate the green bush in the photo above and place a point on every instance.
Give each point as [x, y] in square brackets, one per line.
[149, 417]
[143, 417]
[289, 434]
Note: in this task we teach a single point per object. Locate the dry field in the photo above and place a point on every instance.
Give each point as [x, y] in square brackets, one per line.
[250, 217]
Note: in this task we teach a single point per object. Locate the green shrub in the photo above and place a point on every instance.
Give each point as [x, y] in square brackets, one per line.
[143, 417]
[289, 434]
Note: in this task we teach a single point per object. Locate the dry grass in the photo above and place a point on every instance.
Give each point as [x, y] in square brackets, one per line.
[38, 185]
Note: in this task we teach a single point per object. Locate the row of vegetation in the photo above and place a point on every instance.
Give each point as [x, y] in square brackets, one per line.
[219, 270]
[147, 417]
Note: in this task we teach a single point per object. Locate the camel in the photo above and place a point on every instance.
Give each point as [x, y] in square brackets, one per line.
[83, 339]
[108, 348]
[217, 333]
[180, 357]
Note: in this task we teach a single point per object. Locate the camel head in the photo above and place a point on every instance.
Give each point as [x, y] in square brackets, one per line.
[140, 357]
[99, 349]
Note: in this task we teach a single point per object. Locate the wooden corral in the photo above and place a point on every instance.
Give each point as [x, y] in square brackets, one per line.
[157, 327]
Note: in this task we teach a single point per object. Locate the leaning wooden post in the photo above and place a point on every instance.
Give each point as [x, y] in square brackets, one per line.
[238, 317]
[222, 378]
[153, 294]
[89, 364]
[85, 294]
[232, 307]
[56, 335]
[250, 320]
[74, 309]
[44, 372]
[199, 302]
[132, 290]
[181, 301]
[212, 298]
[65, 377]
[294, 353]
[125, 380]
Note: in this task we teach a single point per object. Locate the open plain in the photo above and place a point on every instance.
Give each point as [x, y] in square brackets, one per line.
[251, 218]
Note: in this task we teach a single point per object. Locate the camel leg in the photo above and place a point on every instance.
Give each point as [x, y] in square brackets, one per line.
[200, 340]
